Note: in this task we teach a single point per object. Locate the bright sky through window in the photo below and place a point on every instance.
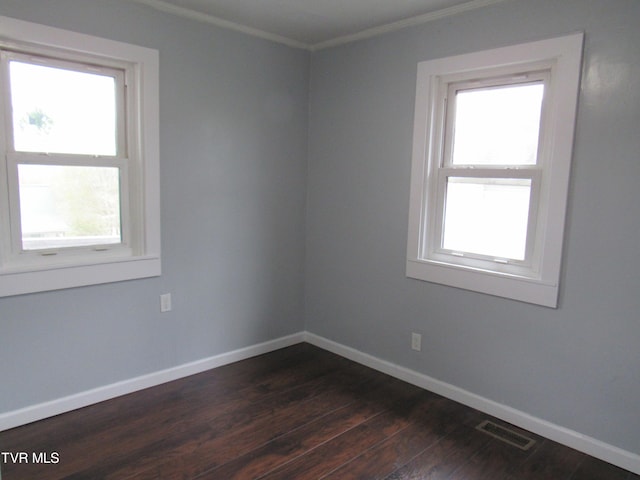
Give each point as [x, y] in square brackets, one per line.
[68, 112]
[493, 133]
[492, 126]
[497, 126]
[80, 190]
[56, 110]
[487, 216]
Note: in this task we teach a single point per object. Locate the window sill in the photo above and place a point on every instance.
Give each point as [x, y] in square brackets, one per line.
[524, 289]
[21, 281]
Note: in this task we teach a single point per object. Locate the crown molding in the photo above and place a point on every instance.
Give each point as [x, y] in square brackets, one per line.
[364, 34]
[407, 22]
[220, 22]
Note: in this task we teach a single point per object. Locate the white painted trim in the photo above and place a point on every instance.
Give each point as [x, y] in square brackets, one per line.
[583, 443]
[72, 402]
[364, 34]
[18, 276]
[591, 446]
[537, 283]
[407, 22]
[220, 22]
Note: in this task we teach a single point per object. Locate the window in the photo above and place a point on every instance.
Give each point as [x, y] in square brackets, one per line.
[79, 197]
[493, 136]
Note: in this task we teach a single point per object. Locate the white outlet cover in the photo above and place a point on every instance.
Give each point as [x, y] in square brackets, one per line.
[165, 302]
[416, 341]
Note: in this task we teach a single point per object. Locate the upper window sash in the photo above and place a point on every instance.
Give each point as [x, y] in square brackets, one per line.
[61, 64]
[449, 90]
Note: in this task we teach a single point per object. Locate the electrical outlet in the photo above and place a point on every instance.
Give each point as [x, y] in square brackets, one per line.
[416, 342]
[165, 302]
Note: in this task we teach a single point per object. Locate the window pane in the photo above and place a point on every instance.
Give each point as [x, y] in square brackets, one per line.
[62, 111]
[65, 206]
[487, 216]
[497, 126]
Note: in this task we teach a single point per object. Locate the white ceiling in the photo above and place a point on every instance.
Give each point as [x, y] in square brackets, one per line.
[315, 24]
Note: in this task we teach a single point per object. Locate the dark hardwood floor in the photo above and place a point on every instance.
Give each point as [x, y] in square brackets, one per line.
[297, 413]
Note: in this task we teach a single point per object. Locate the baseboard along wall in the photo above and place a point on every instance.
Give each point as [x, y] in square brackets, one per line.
[589, 445]
[72, 402]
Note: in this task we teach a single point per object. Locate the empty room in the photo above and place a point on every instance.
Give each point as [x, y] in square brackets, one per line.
[306, 239]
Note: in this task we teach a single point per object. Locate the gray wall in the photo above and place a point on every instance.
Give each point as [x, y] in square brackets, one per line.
[234, 185]
[233, 126]
[577, 366]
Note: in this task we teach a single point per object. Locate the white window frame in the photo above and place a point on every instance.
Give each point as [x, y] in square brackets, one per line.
[557, 63]
[137, 159]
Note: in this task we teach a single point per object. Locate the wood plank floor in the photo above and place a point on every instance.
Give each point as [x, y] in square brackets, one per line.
[297, 413]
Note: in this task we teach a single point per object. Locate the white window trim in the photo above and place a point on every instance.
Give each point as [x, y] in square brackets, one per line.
[540, 283]
[143, 259]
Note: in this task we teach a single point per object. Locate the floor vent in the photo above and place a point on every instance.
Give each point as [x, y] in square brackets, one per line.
[506, 435]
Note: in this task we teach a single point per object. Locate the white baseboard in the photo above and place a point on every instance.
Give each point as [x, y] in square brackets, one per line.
[583, 443]
[72, 402]
[591, 446]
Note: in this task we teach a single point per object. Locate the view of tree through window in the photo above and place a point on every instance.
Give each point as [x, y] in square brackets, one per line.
[57, 110]
[69, 206]
[71, 113]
